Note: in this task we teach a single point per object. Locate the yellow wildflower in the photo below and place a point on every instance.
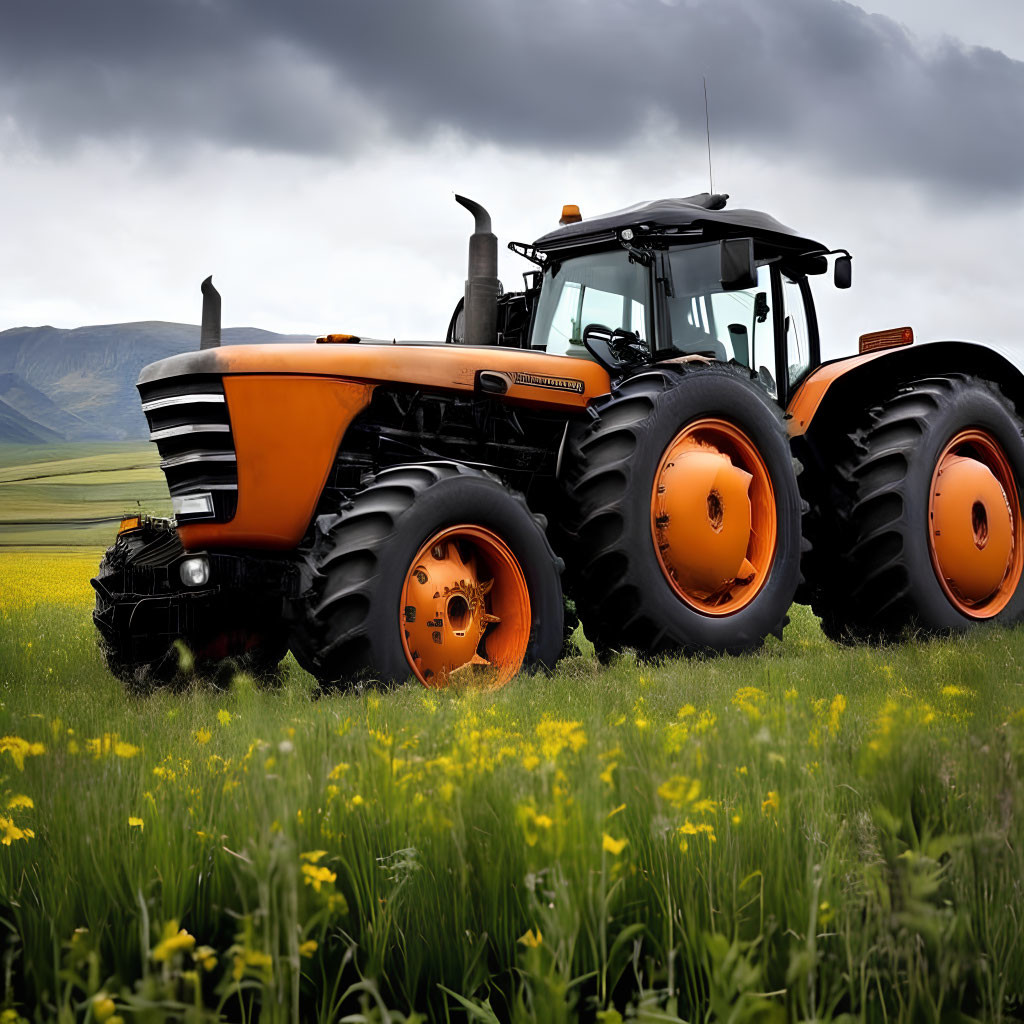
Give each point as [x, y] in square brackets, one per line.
[612, 845]
[313, 856]
[11, 832]
[307, 948]
[102, 1007]
[174, 941]
[19, 749]
[836, 708]
[530, 762]
[338, 770]
[705, 806]
[136, 823]
[316, 877]
[20, 802]
[203, 736]
[224, 716]
[531, 938]
[737, 818]
[611, 814]
[125, 750]
[606, 775]
[556, 735]
[679, 790]
[771, 804]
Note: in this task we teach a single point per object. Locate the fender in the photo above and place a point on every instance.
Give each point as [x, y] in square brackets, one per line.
[853, 381]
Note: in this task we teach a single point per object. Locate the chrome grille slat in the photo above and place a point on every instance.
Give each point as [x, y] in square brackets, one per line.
[189, 428]
[164, 403]
[192, 457]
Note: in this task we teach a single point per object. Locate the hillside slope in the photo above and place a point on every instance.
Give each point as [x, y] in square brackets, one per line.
[88, 374]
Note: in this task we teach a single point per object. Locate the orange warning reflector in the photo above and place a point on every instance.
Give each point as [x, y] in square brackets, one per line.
[570, 214]
[129, 523]
[338, 339]
[895, 337]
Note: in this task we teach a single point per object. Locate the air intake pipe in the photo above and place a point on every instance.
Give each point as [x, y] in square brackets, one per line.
[481, 304]
[209, 333]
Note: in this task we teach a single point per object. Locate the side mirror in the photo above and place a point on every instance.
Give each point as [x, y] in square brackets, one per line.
[739, 270]
[613, 349]
[843, 271]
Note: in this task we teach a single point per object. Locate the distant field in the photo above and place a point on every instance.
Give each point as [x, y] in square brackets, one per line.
[71, 495]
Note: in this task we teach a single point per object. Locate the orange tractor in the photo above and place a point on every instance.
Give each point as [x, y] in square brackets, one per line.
[647, 428]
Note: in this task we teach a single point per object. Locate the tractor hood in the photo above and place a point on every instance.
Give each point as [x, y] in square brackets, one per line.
[516, 375]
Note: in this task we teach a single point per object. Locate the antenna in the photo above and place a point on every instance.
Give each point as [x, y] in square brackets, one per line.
[707, 125]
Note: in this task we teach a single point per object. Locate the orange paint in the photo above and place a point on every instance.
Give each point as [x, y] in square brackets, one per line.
[560, 382]
[713, 517]
[975, 531]
[465, 605]
[286, 431]
[804, 404]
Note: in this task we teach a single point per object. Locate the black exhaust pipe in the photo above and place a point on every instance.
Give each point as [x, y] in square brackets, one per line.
[481, 304]
[209, 333]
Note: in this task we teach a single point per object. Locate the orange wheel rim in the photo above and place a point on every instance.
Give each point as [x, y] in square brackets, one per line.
[713, 517]
[465, 614]
[974, 525]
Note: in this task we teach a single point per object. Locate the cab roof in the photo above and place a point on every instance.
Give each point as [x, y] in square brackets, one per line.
[696, 218]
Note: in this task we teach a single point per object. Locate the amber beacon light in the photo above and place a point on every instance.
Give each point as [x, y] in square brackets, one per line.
[895, 337]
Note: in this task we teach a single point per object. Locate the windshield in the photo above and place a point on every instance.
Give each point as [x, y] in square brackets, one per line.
[602, 289]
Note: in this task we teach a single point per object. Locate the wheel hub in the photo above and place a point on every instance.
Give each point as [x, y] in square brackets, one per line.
[975, 524]
[713, 517]
[465, 610]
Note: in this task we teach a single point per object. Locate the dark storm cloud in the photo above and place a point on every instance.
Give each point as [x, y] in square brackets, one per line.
[820, 80]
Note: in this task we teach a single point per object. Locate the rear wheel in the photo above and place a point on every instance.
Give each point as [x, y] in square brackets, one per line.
[929, 532]
[434, 571]
[682, 514]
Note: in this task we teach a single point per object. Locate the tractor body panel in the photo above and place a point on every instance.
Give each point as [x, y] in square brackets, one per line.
[249, 434]
[857, 380]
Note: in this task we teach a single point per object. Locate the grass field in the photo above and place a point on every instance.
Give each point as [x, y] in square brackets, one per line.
[69, 495]
[812, 833]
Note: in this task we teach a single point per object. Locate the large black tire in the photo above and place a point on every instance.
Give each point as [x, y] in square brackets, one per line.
[870, 574]
[607, 472]
[233, 635]
[346, 627]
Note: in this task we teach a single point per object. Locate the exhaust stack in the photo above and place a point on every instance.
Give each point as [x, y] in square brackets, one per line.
[209, 333]
[481, 304]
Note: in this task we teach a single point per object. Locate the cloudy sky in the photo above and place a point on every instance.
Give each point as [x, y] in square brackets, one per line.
[306, 153]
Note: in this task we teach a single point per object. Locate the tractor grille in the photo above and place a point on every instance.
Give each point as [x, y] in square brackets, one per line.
[188, 420]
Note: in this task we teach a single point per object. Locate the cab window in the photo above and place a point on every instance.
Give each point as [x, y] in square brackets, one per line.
[705, 320]
[602, 289]
[797, 333]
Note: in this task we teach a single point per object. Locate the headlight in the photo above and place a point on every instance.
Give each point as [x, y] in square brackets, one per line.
[192, 505]
[195, 572]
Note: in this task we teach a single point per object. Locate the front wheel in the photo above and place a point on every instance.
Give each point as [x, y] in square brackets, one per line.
[436, 571]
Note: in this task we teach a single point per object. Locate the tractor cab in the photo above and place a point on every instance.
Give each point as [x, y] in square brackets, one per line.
[680, 279]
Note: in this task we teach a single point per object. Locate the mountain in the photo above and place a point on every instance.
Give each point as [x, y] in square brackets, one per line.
[19, 395]
[79, 384]
[20, 429]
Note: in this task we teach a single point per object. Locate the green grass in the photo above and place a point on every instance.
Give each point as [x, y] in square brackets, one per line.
[71, 494]
[866, 809]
